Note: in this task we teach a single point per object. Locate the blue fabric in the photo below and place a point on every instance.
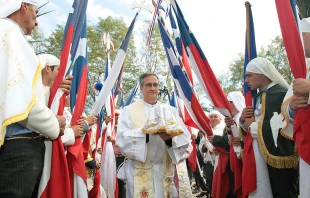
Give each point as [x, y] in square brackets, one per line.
[16, 129]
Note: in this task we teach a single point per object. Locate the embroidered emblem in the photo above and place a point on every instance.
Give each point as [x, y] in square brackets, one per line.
[144, 193]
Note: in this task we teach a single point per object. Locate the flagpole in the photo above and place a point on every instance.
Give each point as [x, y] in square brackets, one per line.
[248, 28]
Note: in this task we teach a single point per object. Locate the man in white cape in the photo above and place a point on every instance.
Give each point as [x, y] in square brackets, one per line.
[149, 168]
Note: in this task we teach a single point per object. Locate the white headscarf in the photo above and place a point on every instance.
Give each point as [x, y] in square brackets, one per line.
[263, 66]
[8, 7]
[305, 24]
[218, 129]
[48, 59]
[238, 99]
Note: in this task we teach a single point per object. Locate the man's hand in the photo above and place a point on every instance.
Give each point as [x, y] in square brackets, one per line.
[236, 141]
[78, 131]
[301, 86]
[111, 139]
[247, 112]
[99, 150]
[299, 101]
[107, 120]
[248, 122]
[62, 124]
[81, 121]
[164, 136]
[210, 138]
[65, 84]
[91, 120]
[193, 136]
[229, 121]
[216, 152]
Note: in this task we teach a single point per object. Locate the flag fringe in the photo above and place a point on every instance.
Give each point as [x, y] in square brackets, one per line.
[280, 162]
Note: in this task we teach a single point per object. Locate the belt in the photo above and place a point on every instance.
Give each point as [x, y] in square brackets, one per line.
[208, 162]
[32, 135]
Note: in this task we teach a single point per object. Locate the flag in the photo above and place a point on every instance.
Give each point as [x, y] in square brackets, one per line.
[55, 181]
[108, 169]
[75, 158]
[116, 68]
[249, 166]
[214, 93]
[296, 57]
[132, 94]
[149, 36]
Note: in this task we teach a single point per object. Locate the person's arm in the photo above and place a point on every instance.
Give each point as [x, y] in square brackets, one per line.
[42, 120]
[131, 142]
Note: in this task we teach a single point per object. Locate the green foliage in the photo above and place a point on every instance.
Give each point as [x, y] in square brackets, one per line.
[303, 8]
[96, 52]
[275, 52]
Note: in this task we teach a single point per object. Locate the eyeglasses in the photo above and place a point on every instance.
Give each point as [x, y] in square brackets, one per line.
[150, 85]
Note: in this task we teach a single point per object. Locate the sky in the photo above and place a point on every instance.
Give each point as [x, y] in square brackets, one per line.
[219, 26]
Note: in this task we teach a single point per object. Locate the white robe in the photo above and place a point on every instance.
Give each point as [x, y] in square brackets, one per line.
[137, 150]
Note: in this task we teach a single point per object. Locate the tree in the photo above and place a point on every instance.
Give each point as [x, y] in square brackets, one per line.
[96, 52]
[275, 52]
[38, 40]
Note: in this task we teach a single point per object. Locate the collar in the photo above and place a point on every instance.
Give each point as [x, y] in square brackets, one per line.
[151, 105]
[21, 30]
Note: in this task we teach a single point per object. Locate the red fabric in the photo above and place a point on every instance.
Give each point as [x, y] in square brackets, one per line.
[296, 58]
[59, 181]
[86, 143]
[291, 38]
[220, 183]
[94, 192]
[249, 167]
[215, 90]
[116, 189]
[236, 168]
[192, 157]
[186, 64]
[63, 64]
[75, 156]
[302, 133]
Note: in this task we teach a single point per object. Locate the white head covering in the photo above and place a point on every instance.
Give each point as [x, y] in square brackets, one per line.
[48, 59]
[217, 113]
[8, 7]
[218, 129]
[238, 99]
[305, 24]
[263, 66]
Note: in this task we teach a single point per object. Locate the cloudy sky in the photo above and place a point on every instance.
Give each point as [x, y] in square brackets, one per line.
[219, 26]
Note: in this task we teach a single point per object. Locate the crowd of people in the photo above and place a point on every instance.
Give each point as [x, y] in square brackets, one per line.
[151, 144]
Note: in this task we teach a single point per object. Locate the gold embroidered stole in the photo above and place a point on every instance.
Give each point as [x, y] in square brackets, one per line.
[143, 175]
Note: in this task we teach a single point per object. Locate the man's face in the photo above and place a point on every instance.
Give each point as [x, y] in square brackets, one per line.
[149, 88]
[53, 73]
[306, 37]
[253, 80]
[215, 120]
[30, 18]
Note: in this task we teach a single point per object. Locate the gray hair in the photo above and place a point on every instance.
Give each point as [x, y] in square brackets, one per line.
[144, 75]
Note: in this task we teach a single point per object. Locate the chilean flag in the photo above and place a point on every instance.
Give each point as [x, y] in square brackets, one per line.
[249, 166]
[78, 94]
[216, 95]
[55, 181]
[132, 94]
[108, 169]
[116, 68]
[296, 56]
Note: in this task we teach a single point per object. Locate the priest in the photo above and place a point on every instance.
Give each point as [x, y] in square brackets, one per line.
[153, 138]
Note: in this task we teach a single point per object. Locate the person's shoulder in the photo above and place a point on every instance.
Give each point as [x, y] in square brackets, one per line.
[5, 23]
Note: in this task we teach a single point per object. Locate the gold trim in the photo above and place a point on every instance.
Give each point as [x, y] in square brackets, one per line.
[274, 161]
[241, 134]
[24, 115]
[88, 160]
[286, 120]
